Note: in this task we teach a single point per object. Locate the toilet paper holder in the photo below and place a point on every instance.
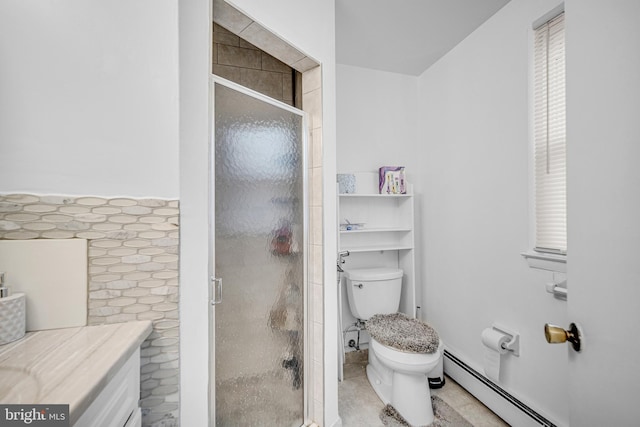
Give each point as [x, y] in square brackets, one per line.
[513, 345]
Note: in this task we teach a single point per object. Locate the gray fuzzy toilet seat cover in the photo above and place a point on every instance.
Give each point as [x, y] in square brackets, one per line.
[403, 333]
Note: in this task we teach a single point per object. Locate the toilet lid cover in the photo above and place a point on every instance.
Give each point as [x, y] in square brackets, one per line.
[403, 333]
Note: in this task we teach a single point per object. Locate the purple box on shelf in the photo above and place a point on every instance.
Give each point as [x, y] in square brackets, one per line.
[391, 180]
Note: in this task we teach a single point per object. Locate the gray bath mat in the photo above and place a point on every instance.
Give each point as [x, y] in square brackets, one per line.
[445, 416]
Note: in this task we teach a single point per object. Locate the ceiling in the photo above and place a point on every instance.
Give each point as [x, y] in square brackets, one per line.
[405, 36]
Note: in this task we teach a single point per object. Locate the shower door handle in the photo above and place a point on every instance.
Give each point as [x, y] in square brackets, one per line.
[215, 290]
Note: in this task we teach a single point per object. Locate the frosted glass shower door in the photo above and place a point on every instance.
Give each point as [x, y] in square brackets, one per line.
[259, 217]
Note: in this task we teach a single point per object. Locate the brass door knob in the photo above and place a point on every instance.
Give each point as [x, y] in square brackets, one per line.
[555, 334]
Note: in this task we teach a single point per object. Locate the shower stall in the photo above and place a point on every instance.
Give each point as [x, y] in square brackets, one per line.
[258, 263]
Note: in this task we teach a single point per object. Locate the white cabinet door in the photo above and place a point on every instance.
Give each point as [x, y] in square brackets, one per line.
[135, 420]
[118, 400]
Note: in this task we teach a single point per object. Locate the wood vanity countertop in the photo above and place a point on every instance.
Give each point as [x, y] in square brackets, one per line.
[67, 366]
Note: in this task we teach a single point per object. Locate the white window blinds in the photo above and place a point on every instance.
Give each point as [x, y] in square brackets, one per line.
[550, 137]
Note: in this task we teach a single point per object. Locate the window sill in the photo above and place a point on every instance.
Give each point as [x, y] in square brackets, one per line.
[544, 261]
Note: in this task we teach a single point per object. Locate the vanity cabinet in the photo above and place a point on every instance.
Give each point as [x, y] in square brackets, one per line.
[378, 231]
[117, 403]
[93, 369]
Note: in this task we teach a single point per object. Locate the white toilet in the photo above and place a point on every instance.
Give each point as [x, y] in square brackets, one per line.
[399, 377]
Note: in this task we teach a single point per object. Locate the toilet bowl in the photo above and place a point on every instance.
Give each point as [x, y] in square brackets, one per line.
[398, 368]
[400, 379]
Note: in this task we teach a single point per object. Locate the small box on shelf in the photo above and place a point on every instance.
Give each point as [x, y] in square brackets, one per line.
[346, 183]
[391, 180]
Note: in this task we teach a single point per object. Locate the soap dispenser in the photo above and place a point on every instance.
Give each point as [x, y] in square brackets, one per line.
[12, 314]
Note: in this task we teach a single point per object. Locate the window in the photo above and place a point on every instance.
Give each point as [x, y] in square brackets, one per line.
[550, 137]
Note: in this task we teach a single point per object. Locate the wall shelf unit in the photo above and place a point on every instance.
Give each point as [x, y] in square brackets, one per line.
[381, 234]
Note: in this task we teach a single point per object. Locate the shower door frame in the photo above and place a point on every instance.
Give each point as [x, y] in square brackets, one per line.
[307, 330]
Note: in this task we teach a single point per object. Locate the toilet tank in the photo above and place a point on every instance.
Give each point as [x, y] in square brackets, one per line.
[373, 291]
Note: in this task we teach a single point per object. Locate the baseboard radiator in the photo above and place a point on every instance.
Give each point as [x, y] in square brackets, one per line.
[508, 407]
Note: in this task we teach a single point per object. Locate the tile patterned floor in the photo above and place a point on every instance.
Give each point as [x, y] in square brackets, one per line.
[359, 405]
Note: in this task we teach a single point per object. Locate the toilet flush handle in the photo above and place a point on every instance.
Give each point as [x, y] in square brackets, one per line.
[358, 285]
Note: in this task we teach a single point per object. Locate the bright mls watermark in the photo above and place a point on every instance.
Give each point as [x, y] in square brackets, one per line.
[34, 415]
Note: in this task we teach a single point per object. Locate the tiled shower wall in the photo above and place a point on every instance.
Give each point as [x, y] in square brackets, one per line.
[312, 105]
[241, 62]
[133, 274]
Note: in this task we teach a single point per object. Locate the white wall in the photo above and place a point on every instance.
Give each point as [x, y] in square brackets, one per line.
[195, 67]
[377, 120]
[477, 216]
[89, 99]
[309, 26]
